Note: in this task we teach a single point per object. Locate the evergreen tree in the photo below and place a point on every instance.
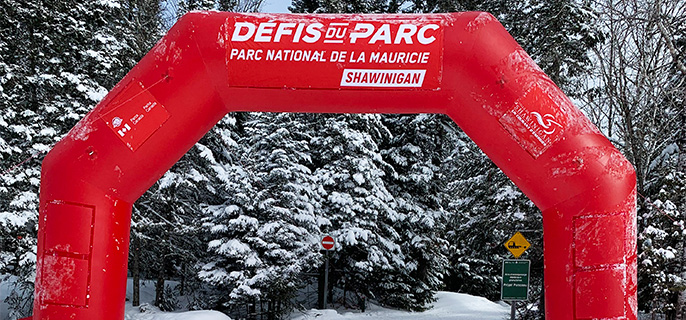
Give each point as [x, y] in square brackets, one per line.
[166, 231]
[353, 6]
[186, 6]
[57, 59]
[417, 150]
[265, 232]
[558, 35]
[168, 237]
[488, 209]
[662, 233]
[260, 189]
[661, 243]
[362, 211]
[481, 198]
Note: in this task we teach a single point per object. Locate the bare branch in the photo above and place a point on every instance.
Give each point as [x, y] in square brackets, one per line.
[668, 40]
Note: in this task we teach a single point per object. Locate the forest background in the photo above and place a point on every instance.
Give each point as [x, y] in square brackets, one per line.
[415, 206]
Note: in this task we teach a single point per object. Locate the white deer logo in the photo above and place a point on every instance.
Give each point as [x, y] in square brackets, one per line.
[547, 121]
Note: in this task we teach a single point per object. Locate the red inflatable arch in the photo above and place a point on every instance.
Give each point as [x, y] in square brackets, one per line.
[464, 65]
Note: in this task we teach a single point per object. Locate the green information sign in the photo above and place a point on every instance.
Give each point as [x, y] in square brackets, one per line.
[515, 286]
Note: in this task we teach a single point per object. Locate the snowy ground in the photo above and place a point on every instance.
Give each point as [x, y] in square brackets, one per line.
[4, 291]
[148, 295]
[191, 315]
[450, 305]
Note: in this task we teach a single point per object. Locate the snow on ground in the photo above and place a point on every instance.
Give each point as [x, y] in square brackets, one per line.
[147, 295]
[450, 305]
[132, 314]
[4, 292]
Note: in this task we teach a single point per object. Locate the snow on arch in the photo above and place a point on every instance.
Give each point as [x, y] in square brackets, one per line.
[464, 65]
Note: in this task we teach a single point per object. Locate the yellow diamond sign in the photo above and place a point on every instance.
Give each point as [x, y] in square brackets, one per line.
[517, 244]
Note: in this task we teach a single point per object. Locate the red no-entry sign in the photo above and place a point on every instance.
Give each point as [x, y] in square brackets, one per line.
[327, 242]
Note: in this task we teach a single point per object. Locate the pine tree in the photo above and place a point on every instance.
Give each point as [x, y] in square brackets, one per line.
[265, 232]
[662, 234]
[336, 6]
[487, 210]
[57, 59]
[362, 211]
[417, 150]
[481, 197]
[568, 26]
[186, 6]
[167, 234]
[661, 245]
[166, 231]
[558, 35]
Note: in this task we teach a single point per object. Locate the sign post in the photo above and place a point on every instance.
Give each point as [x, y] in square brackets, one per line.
[515, 280]
[515, 285]
[327, 243]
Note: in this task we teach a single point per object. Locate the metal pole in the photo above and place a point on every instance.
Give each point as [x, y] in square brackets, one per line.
[513, 308]
[326, 278]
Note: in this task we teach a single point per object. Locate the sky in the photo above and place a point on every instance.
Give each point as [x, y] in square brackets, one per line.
[276, 6]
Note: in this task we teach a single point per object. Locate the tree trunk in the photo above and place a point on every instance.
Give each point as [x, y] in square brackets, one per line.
[183, 279]
[320, 289]
[252, 310]
[278, 309]
[136, 272]
[345, 295]
[681, 141]
[271, 312]
[159, 285]
[680, 312]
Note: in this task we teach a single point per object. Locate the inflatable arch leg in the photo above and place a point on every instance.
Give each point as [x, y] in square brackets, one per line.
[464, 65]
